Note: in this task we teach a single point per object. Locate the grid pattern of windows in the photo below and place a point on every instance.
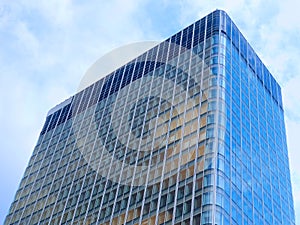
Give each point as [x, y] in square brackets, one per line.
[179, 135]
[255, 186]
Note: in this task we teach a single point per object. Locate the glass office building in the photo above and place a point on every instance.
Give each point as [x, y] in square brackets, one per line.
[190, 132]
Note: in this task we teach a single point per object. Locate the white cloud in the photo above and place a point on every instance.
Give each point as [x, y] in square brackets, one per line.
[46, 47]
[57, 12]
[288, 18]
[26, 40]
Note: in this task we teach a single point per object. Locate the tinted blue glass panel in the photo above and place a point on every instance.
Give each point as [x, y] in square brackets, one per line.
[85, 98]
[209, 23]
[279, 95]
[96, 93]
[47, 122]
[259, 68]
[267, 79]
[223, 21]
[187, 37]
[54, 120]
[235, 35]
[197, 33]
[176, 38]
[274, 88]
[228, 26]
[65, 114]
[202, 30]
[76, 101]
[251, 57]
[216, 21]
[243, 46]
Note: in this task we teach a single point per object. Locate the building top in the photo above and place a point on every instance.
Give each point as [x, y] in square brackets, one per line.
[217, 22]
[59, 106]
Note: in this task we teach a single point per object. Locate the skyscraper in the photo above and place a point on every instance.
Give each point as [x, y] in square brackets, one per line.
[190, 132]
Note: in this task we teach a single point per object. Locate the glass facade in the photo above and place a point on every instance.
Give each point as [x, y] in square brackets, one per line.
[190, 132]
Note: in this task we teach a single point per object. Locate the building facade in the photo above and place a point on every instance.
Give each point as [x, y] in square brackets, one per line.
[190, 132]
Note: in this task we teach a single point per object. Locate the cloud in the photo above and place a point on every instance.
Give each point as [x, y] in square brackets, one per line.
[288, 18]
[293, 128]
[46, 47]
[292, 98]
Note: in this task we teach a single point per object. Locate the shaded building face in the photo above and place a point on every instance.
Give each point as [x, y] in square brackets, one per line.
[190, 132]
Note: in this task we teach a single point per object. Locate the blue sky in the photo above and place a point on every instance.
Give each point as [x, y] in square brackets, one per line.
[47, 46]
